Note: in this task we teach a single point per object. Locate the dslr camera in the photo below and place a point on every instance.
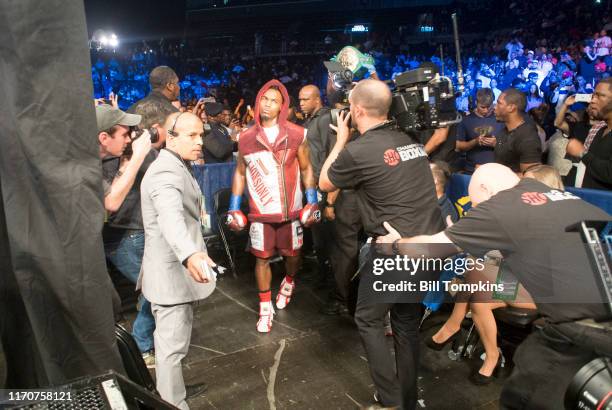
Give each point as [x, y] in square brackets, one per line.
[137, 133]
[421, 98]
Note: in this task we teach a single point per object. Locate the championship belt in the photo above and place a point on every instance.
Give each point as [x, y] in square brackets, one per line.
[352, 59]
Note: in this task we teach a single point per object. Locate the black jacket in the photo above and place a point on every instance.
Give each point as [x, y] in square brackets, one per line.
[153, 95]
[218, 145]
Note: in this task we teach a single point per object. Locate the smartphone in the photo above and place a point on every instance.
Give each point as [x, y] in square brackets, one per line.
[211, 275]
[206, 100]
[584, 98]
[248, 107]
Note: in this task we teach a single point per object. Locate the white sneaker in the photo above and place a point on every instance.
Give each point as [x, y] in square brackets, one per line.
[266, 314]
[284, 294]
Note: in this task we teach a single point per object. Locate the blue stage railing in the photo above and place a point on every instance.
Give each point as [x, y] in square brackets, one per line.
[213, 177]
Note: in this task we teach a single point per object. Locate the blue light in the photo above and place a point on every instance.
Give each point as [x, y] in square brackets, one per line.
[427, 29]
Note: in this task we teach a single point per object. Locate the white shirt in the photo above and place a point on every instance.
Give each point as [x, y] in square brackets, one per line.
[272, 133]
[602, 45]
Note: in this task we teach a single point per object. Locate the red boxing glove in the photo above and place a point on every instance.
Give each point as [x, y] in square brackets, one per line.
[310, 214]
[236, 220]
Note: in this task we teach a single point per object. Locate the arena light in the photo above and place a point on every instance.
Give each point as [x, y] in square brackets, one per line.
[113, 41]
[102, 39]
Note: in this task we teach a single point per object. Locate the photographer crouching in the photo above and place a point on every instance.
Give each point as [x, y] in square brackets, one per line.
[390, 172]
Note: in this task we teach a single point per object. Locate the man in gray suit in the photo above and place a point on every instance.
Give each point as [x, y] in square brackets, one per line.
[173, 272]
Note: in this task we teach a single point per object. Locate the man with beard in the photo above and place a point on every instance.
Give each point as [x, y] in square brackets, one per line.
[272, 159]
[518, 145]
[596, 152]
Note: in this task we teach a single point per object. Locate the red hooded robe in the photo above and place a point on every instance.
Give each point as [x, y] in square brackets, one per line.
[273, 172]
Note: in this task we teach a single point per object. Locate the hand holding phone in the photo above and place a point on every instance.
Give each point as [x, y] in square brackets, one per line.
[584, 98]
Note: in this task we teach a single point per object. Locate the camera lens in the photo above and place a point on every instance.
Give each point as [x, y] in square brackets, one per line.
[154, 133]
[591, 386]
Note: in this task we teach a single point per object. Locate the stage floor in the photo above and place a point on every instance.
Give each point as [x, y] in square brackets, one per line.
[308, 361]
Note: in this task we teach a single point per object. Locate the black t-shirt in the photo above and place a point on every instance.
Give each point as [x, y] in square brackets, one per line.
[217, 146]
[598, 161]
[579, 130]
[445, 151]
[129, 214]
[519, 146]
[527, 225]
[391, 174]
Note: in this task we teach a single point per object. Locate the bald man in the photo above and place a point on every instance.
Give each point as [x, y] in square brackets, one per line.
[526, 221]
[390, 173]
[174, 272]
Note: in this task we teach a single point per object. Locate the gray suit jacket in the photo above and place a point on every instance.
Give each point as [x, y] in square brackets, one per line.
[171, 200]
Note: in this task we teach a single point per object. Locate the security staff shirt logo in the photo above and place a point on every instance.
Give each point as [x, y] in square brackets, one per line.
[391, 157]
[534, 198]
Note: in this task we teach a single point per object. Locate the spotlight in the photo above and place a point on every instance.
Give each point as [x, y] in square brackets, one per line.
[102, 39]
[113, 41]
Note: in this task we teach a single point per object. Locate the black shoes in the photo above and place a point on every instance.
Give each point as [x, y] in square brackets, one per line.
[195, 390]
[334, 308]
[429, 342]
[480, 379]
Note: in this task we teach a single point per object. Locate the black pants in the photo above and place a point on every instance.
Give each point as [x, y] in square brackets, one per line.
[322, 238]
[345, 252]
[394, 388]
[546, 362]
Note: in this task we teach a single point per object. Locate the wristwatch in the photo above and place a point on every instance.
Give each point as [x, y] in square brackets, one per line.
[395, 247]
[328, 205]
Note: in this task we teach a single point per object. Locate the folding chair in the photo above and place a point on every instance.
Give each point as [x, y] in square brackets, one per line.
[222, 200]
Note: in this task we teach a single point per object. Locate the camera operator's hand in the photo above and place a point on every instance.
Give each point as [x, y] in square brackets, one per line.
[141, 145]
[343, 133]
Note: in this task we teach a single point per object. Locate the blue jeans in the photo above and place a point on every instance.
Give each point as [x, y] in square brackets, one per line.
[126, 255]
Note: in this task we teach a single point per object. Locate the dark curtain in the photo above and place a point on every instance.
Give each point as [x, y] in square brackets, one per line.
[56, 313]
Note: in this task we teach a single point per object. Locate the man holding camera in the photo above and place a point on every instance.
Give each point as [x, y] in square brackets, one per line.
[123, 233]
[391, 175]
[550, 262]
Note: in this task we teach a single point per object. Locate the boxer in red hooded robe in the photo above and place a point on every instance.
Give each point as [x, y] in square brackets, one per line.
[274, 162]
